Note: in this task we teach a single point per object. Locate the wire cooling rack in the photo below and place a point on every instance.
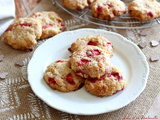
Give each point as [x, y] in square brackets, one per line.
[125, 21]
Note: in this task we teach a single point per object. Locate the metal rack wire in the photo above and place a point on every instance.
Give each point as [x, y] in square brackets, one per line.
[122, 22]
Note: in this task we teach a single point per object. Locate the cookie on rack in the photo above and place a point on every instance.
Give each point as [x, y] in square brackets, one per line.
[91, 40]
[77, 4]
[90, 61]
[61, 77]
[109, 84]
[144, 9]
[23, 33]
[52, 23]
[108, 9]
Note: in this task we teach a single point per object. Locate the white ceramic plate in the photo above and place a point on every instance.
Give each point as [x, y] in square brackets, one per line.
[127, 56]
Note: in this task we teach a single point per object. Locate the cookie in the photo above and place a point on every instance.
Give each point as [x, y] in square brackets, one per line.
[144, 9]
[90, 61]
[77, 4]
[61, 77]
[109, 84]
[108, 9]
[52, 23]
[23, 33]
[98, 41]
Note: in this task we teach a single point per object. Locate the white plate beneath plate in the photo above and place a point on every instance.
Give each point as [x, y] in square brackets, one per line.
[127, 56]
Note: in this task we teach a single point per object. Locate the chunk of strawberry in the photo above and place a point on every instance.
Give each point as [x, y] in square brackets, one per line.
[95, 52]
[99, 8]
[24, 25]
[92, 43]
[9, 29]
[150, 14]
[59, 61]
[108, 44]
[116, 75]
[109, 6]
[51, 81]
[118, 91]
[62, 24]
[69, 77]
[83, 61]
[93, 80]
[47, 26]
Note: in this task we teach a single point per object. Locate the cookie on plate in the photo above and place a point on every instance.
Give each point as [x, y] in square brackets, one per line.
[144, 9]
[52, 23]
[109, 84]
[23, 33]
[108, 9]
[77, 4]
[98, 41]
[61, 77]
[90, 61]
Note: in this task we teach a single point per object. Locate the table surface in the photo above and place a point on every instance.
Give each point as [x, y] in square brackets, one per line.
[24, 7]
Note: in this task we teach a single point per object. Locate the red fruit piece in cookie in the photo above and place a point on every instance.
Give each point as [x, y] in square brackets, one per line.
[83, 61]
[93, 43]
[24, 24]
[117, 75]
[47, 26]
[51, 81]
[93, 80]
[59, 61]
[62, 24]
[109, 6]
[150, 14]
[95, 52]
[118, 91]
[69, 77]
[108, 45]
[9, 29]
[99, 8]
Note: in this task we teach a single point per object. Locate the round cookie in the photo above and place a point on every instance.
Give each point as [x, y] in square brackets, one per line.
[109, 84]
[144, 9]
[23, 33]
[90, 61]
[77, 4]
[108, 9]
[61, 77]
[98, 41]
[52, 23]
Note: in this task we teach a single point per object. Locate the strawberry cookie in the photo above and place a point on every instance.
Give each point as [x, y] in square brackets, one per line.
[61, 77]
[52, 23]
[108, 9]
[90, 61]
[144, 9]
[23, 33]
[91, 40]
[77, 4]
[109, 84]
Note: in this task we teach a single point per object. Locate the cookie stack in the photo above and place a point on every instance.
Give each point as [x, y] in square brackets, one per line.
[89, 64]
[24, 32]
